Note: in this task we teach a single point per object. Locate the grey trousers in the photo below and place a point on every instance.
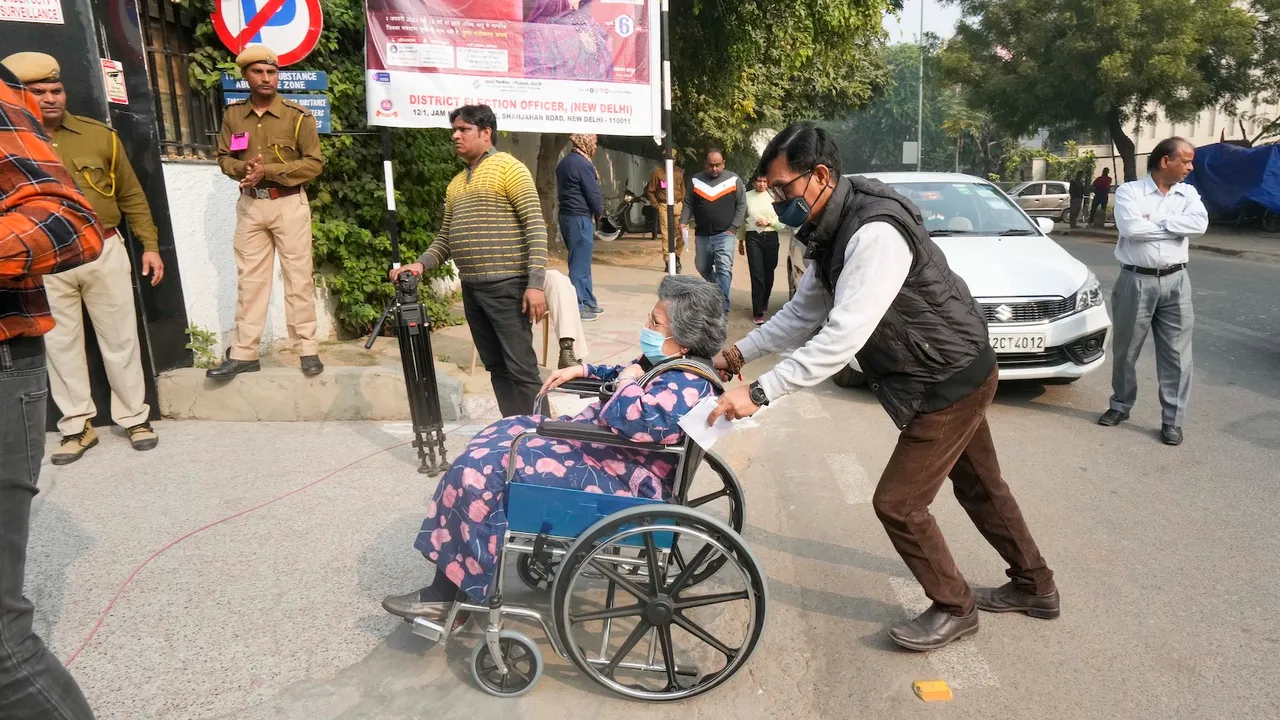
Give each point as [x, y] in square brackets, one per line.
[33, 684]
[1143, 303]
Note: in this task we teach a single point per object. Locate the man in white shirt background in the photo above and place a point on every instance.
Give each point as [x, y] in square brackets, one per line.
[881, 290]
[1156, 218]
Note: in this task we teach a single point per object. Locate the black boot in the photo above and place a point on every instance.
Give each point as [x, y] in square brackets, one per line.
[567, 358]
[231, 368]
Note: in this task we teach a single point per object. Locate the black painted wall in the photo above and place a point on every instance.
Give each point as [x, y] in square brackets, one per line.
[96, 29]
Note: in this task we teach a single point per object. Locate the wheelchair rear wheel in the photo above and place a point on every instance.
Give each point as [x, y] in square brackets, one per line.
[696, 639]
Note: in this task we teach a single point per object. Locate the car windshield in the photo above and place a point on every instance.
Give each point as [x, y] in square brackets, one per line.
[965, 208]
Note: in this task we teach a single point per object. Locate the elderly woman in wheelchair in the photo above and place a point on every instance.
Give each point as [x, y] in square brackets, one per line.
[598, 507]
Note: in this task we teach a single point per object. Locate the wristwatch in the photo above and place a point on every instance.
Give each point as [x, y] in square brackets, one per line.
[757, 394]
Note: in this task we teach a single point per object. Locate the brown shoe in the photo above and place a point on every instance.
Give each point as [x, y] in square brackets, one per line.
[74, 446]
[409, 606]
[935, 628]
[1008, 598]
[142, 437]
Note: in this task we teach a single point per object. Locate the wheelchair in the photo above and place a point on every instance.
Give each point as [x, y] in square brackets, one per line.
[654, 600]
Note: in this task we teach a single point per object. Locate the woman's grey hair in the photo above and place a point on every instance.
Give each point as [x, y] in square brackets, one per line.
[695, 309]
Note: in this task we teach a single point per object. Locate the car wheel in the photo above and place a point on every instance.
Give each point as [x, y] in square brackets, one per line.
[1066, 215]
[848, 377]
[791, 280]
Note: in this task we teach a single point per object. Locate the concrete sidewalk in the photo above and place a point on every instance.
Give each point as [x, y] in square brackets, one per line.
[1245, 244]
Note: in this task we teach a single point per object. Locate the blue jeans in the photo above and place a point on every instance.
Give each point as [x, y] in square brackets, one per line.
[714, 258]
[580, 236]
[33, 684]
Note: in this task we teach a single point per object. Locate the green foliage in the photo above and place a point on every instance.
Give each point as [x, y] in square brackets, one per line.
[871, 139]
[348, 201]
[739, 66]
[1089, 66]
[1017, 159]
[201, 344]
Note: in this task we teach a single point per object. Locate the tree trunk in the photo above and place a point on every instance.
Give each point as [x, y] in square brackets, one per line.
[1124, 145]
[549, 147]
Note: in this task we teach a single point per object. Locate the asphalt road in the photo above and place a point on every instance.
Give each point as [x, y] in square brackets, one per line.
[1166, 558]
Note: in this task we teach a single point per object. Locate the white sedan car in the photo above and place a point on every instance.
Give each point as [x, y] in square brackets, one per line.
[1044, 309]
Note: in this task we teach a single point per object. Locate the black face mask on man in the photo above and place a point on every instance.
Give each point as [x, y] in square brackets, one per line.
[795, 211]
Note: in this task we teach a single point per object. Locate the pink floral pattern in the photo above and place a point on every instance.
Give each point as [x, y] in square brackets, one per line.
[467, 520]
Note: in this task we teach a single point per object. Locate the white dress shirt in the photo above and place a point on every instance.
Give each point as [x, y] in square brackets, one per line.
[876, 262]
[1155, 229]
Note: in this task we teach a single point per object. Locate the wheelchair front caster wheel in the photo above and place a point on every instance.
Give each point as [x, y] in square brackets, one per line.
[534, 575]
[521, 657]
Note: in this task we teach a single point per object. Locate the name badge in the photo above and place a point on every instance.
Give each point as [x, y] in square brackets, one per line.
[663, 183]
[239, 141]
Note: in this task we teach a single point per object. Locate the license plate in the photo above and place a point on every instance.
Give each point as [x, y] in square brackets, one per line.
[1025, 343]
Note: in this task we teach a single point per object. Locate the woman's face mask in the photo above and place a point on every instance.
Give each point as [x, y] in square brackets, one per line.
[651, 342]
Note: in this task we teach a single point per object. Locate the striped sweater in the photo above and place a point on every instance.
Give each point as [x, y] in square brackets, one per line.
[493, 228]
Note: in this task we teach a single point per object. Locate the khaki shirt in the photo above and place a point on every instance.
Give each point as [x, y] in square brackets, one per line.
[93, 155]
[657, 194]
[284, 135]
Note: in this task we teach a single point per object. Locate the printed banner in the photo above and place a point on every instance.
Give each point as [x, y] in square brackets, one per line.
[569, 66]
[32, 11]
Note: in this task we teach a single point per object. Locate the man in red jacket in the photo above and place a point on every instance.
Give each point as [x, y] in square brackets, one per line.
[46, 226]
[1101, 189]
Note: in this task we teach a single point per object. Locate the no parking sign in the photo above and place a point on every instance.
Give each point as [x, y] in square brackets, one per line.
[289, 27]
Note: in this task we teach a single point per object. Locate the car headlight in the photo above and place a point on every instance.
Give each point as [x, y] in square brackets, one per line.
[1090, 294]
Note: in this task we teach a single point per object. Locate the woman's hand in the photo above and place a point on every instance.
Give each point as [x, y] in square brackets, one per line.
[562, 376]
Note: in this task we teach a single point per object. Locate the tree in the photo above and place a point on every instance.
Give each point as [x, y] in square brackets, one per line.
[741, 66]
[1084, 65]
[871, 139]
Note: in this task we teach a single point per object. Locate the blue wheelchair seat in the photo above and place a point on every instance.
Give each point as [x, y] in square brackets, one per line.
[567, 513]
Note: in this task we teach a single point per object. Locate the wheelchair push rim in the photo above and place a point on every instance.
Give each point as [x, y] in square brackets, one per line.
[728, 502]
[683, 627]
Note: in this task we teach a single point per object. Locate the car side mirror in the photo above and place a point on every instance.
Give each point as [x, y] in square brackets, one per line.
[1045, 224]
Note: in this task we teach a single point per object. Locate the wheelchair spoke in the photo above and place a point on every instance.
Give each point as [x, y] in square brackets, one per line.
[618, 578]
[651, 557]
[687, 571]
[704, 600]
[668, 656]
[722, 492]
[701, 633]
[627, 646]
[618, 612]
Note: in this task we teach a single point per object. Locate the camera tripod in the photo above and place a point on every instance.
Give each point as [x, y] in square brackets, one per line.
[413, 329]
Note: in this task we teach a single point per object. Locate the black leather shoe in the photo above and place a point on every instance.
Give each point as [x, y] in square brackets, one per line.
[1170, 435]
[1008, 598]
[935, 628]
[1112, 418]
[311, 365]
[231, 368]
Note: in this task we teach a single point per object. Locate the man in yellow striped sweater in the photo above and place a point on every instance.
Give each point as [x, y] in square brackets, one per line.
[494, 232]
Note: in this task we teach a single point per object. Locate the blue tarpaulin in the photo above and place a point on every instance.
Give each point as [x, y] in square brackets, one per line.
[1229, 177]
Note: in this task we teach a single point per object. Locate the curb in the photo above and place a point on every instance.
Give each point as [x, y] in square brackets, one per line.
[1110, 238]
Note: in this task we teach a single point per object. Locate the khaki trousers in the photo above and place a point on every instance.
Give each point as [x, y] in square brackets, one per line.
[663, 230]
[105, 286]
[266, 228]
[562, 312]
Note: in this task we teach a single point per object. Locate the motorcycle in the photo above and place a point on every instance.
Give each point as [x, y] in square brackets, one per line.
[623, 218]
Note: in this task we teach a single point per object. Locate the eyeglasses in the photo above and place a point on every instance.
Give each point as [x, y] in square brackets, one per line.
[652, 322]
[779, 192]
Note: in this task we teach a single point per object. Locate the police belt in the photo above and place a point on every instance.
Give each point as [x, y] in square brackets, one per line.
[270, 193]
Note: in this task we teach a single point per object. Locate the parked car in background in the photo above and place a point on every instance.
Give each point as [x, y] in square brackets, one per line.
[1044, 198]
[1044, 308]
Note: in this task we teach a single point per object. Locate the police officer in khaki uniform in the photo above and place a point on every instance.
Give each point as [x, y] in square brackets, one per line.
[270, 145]
[92, 154]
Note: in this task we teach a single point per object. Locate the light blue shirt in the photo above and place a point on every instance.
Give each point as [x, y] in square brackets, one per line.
[1156, 229]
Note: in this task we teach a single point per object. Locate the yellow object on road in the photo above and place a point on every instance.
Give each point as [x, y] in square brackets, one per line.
[932, 690]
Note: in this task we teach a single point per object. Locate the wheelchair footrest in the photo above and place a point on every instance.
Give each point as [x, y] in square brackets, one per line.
[424, 628]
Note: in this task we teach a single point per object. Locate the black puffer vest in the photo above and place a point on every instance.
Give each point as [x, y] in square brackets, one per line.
[931, 348]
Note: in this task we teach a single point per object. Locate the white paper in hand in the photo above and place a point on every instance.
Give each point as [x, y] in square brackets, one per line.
[695, 424]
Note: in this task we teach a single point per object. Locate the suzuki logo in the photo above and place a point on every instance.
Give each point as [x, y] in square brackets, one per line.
[1004, 313]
